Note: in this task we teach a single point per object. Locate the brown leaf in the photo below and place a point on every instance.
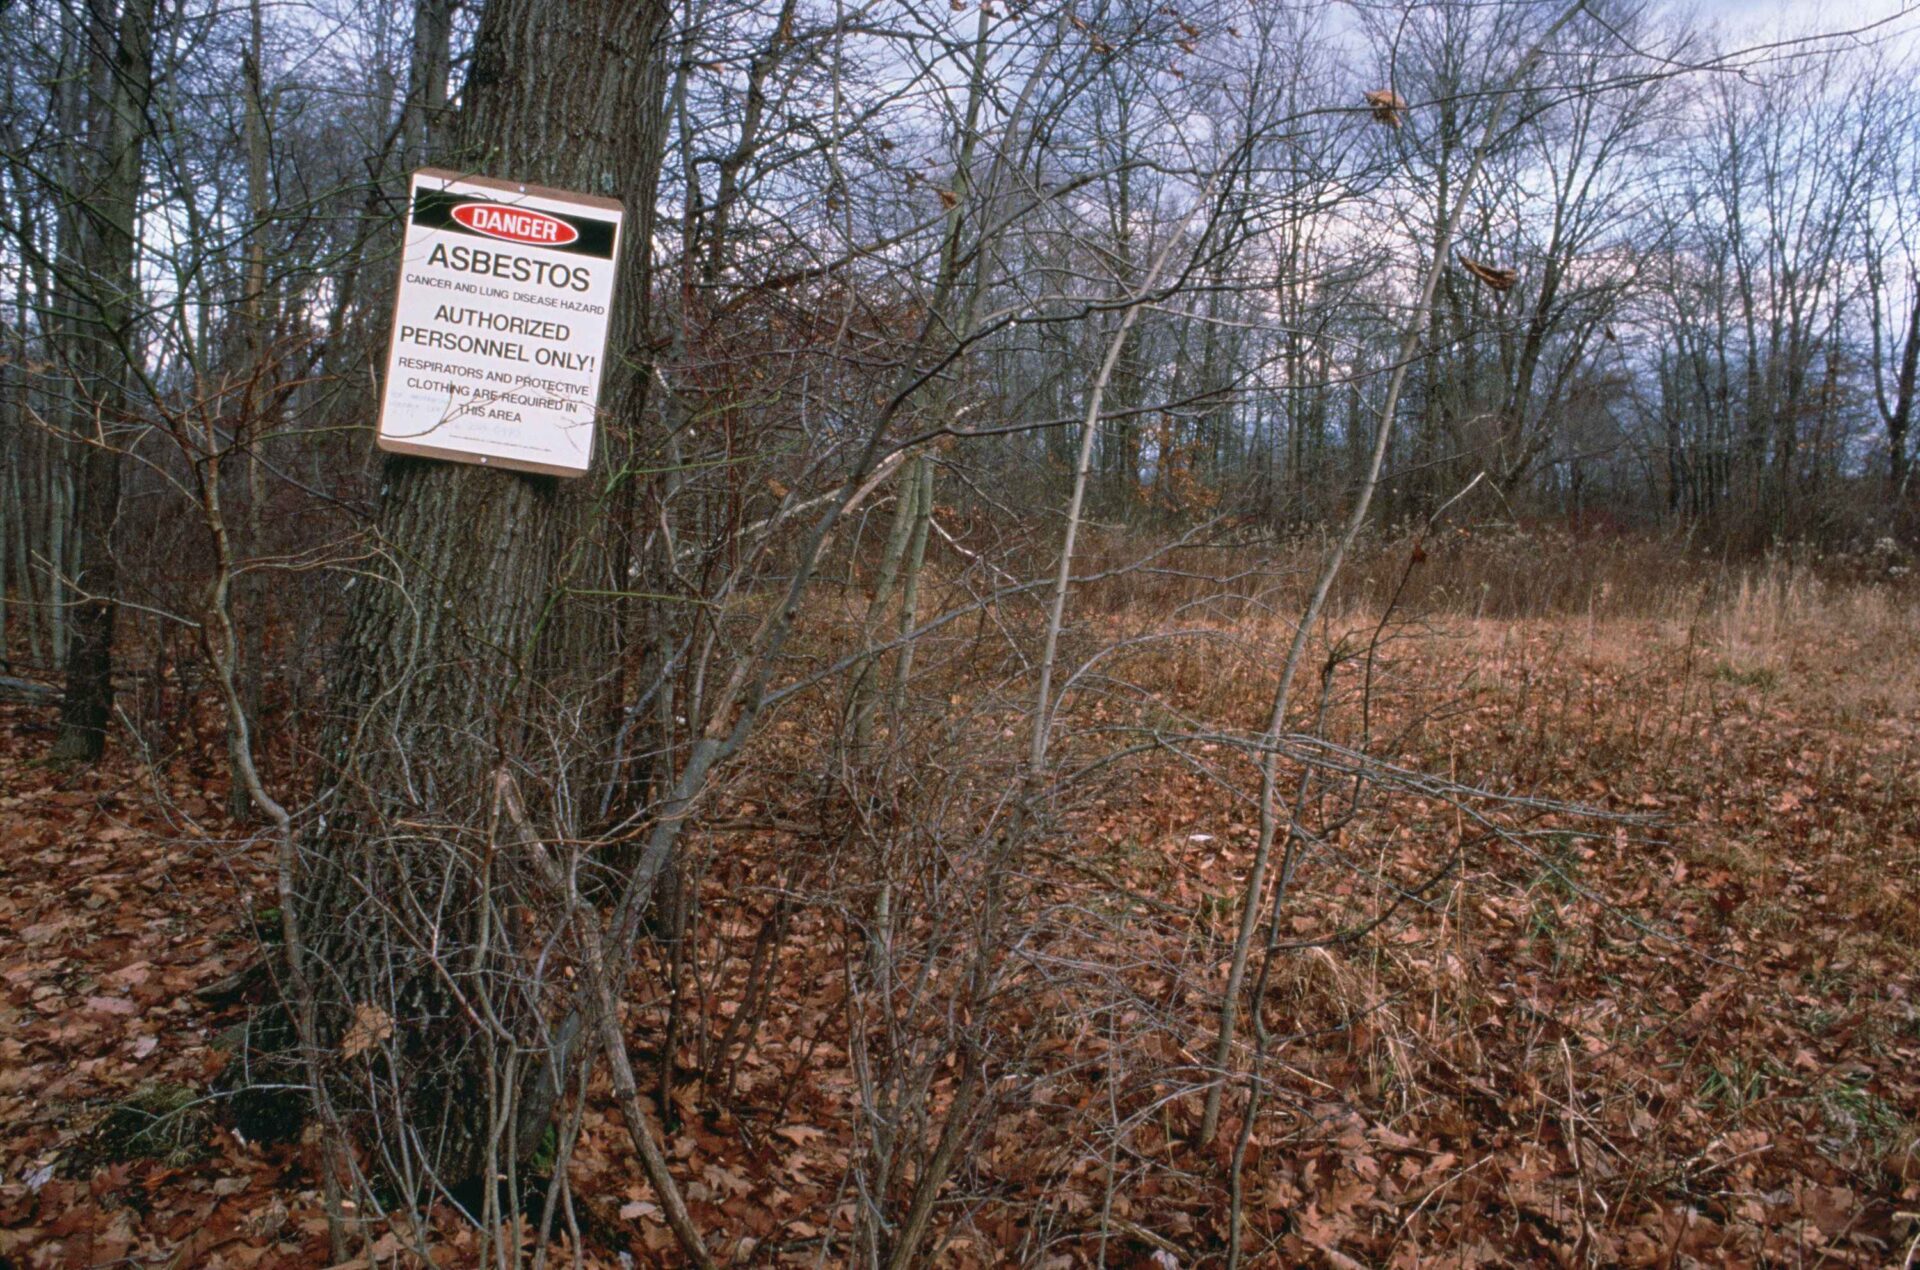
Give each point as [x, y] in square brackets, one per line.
[1497, 278]
[1387, 106]
[799, 1134]
[371, 1025]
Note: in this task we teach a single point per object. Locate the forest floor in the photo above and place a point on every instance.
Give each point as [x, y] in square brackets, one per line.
[1692, 1039]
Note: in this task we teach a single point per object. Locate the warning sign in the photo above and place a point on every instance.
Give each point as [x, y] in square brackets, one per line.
[500, 324]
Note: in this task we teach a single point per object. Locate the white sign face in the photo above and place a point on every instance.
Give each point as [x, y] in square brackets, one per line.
[500, 324]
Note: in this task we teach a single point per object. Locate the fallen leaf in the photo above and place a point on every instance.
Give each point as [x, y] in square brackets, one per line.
[371, 1025]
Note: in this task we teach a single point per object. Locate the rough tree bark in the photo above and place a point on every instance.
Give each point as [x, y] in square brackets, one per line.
[431, 64]
[464, 654]
[101, 299]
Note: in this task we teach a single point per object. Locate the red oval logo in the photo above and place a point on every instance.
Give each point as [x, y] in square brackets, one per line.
[515, 224]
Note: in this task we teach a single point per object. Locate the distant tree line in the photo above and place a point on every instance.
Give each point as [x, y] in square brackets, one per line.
[1687, 300]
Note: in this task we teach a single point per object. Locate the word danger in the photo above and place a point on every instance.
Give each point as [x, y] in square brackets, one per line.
[515, 224]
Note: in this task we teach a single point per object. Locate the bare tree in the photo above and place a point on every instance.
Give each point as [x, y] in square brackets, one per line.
[99, 301]
[467, 640]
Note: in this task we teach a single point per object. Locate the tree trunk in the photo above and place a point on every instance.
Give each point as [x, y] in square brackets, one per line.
[1900, 417]
[104, 296]
[464, 653]
[427, 73]
[255, 349]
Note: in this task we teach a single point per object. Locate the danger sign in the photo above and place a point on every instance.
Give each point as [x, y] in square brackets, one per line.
[499, 324]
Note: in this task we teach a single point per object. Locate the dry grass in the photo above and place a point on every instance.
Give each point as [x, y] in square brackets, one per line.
[1692, 1039]
[1592, 1045]
[1689, 1036]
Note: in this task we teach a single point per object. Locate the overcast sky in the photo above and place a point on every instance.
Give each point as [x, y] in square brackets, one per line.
[1818, 14]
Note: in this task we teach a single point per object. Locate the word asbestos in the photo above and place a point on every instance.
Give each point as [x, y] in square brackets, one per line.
[500, 324]
[506, 264]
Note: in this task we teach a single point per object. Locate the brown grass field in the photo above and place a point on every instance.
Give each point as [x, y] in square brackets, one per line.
[1680, 1027]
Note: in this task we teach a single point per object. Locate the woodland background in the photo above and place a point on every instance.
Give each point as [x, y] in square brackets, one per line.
[1222, 633]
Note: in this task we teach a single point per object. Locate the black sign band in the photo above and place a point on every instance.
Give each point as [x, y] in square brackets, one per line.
[511, 223]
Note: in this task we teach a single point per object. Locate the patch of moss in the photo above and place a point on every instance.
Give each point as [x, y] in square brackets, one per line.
[269, 925]
[264, 1081]
[161, 1121]
[547, 1154]
[1761, 677]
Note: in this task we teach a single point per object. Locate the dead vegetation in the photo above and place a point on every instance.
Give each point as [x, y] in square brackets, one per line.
[1597, 948]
